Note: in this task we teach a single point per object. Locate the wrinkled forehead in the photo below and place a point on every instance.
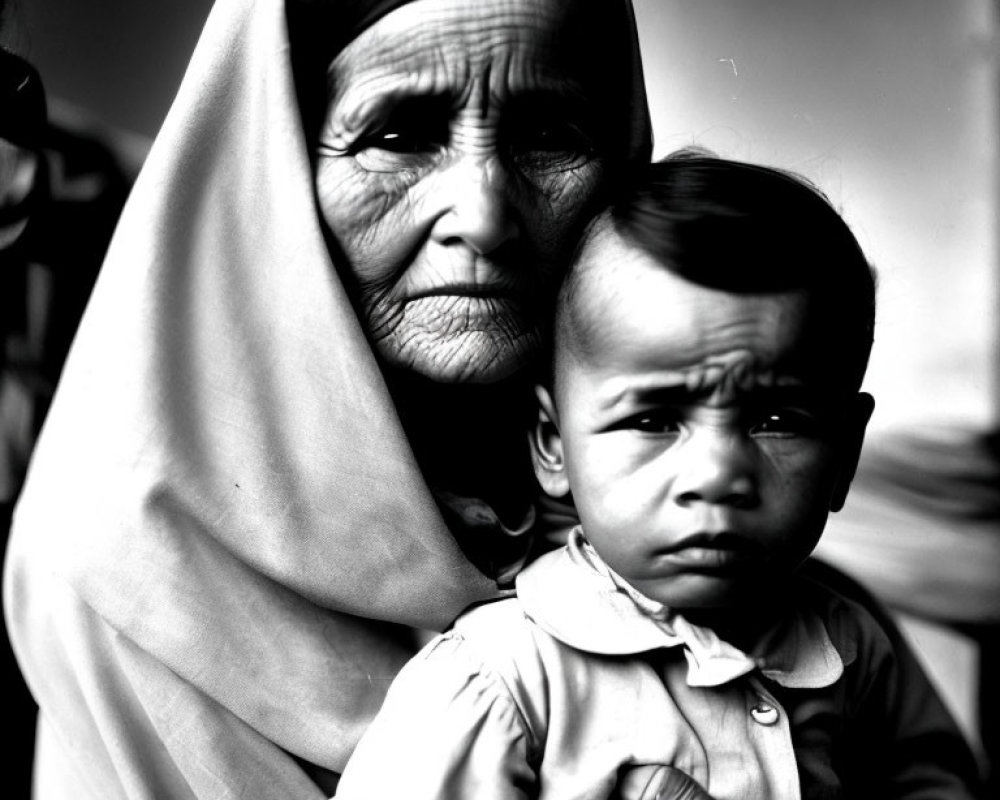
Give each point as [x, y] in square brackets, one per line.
[617, 300]
[435, 45]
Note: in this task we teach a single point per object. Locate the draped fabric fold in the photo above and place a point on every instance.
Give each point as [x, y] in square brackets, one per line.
[223, 511]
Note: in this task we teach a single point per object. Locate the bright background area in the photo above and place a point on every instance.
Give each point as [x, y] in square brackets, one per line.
[891, 107]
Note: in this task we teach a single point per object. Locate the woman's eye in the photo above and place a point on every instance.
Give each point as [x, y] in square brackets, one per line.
[785, 423]
[406, 140]
[412, 139]
[544, 145]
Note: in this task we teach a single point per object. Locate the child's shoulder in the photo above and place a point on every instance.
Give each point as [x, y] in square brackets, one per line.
[503, 616]
[516, 634]
[503, 631]
[856, 622]
[497, 632]
[509, 617]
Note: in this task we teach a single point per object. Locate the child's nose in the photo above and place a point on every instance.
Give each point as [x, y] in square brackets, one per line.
[716, 468]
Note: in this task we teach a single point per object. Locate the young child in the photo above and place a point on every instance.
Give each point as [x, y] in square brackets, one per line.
[704, 411]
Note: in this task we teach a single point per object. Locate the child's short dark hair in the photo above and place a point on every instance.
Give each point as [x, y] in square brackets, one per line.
[745, 228]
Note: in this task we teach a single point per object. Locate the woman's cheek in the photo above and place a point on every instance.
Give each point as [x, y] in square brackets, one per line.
[565, 201]
[369, 215]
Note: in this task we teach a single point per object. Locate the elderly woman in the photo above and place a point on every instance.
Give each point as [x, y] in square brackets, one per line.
[288, 437]
[303, 353]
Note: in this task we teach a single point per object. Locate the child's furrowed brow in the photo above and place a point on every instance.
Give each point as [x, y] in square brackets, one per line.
[793, 394]
[715, 383]
[644, 389]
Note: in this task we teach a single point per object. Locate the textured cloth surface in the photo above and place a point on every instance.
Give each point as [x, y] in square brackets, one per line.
[561, 691]
[224, 540]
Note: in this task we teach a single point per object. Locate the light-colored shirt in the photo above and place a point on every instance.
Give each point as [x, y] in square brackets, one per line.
[560, 691]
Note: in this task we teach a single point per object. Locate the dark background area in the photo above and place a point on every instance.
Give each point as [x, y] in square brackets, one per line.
[121, 60]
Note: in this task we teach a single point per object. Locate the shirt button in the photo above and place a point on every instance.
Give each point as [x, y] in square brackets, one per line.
[764, 713]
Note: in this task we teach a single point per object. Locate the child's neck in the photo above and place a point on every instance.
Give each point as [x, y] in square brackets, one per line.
[741, 625]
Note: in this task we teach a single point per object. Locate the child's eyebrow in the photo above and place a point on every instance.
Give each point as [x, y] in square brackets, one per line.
[796, 394]
[678, 389]
[661, 390]
[663, 395]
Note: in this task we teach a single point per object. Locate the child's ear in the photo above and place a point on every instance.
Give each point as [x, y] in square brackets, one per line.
[862, 405]
[547, 447]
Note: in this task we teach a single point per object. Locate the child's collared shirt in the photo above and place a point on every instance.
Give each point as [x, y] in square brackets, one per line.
[556, 693]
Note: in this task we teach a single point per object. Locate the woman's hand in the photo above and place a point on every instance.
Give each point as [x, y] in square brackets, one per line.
[652, 782]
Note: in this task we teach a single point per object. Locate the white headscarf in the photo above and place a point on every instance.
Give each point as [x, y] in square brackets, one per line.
[223, 502]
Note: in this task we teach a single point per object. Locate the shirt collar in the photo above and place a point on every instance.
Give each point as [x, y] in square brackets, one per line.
[572, 595]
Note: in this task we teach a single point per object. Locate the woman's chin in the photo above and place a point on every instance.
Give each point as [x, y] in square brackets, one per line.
[474, 357]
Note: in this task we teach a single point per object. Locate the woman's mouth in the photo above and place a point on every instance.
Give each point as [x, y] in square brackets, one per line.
[493, 290]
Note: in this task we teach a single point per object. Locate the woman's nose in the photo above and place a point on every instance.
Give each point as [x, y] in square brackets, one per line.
[716, 468]
[477, 208]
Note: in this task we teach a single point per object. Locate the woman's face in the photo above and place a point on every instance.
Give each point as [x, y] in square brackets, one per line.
[461, 145]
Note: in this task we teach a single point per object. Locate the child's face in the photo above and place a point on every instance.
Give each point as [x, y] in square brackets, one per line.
[702, 442]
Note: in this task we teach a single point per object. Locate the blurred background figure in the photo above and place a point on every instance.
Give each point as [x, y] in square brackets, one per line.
[22, 191]
[923, 531]
[61, 191]
[936, 490]
[22, 122]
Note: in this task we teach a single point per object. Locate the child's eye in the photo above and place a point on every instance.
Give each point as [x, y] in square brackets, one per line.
[784, 422]
[658, 422]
